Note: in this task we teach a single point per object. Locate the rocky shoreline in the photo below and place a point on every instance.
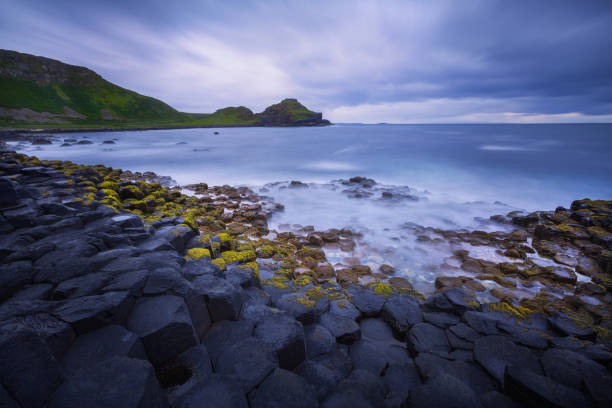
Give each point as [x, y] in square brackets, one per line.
[118, 291]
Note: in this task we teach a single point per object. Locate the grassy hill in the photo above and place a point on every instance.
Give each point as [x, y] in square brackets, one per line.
[46, 93]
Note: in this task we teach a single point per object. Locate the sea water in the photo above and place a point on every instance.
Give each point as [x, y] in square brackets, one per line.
[442, 176]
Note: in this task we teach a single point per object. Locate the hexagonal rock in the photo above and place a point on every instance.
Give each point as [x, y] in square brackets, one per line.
[430, 366]
[345, 308]
[444, 391]
[427, 337]
[368, 302]
[6, 401]
[367, 356]
[286, 336]
[494, 353]
[485, 323]
[283, 389]
[440, 319]
[570, 368]
[318, 340]
[58, 335]
[203, 266]
[362, 383]
[344, 329]
[116, 382]
[14, 276]
[298, 306]
[249, 361]
[565, 324]
[91, 312]
[218, 391]
[224, 299]
[164, 326]
[28, 369]
[101, 344]
[401, 313]
[244, 277]
[400, 379]
[224, 334]
[178, 375]
[539, 391]
[318, 375]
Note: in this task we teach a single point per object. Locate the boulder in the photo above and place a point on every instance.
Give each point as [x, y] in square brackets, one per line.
[224, 334]
[249, 361]
[344, 308]
[285, 336]
[318, 340]
[91, 312]
[538, 391]
[28, 368]
[344, 329]
[163, 325]
[424, 337]
[485, 323]
[224, 299]
[401, 313]
[319, 376]
[216, 391]
[367, 356]
[298, 306]
[115, 382]
[444, 391]
[101, 344]
[368, 302]
[495, 353]
[283, 389]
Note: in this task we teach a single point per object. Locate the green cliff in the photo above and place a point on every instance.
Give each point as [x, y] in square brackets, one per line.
[45, 93]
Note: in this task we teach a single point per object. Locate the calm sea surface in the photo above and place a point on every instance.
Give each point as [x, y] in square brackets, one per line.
[459, 173]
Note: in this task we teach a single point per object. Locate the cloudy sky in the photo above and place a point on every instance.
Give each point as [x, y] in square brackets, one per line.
[357, 61]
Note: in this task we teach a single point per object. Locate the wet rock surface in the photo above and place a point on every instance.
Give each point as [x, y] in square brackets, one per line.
[112, 305]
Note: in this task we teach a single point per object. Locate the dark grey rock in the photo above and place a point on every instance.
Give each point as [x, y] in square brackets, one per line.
[319, 376]
[283, 389]
[203, 266]
[6, 401]
[424, 337]
[464, 332]
[362, 383]
[91, 312]
[568, 326]
[166, 281]
[115, 382]
[401, 313]
[56, 334]
[318, 340]
[431, 366]
[81, 286]
[14, 277]
[240, 276]
[495, 399]
[216, 391]
[34, 292]
[344, 329]
[337, 361]
[494, 353]
[176, 236]
[442, 320]
[525, 336]
[57, 209]
[536, 390]
[256, 312]
[224, 334]
[600, 389]
[400, 379]
[28, 369]
[458, 343]
[132, 281]
[298, 306]
[224, 299]
[8, 194]
[367, 356]
[570, 368]
[344, 308]
[249, 361]
[482, 322]
[286, 337]
[25, 216]
[127, 221]
[180, 374]
[444, 391]
[101, 344]
[164, 326]
[368, 302]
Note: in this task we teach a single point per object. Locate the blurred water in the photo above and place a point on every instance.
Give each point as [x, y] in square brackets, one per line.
[458, 172]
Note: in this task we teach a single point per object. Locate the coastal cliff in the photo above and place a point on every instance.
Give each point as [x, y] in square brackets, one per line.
[45, 93]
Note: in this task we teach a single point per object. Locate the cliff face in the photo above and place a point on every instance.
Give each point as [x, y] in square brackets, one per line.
[34, 85]
[290, 112]
[42, 91]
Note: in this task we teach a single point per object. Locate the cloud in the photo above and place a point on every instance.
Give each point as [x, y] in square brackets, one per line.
[537, 61]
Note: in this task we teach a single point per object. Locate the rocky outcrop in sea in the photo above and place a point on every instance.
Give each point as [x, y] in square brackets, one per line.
[117, 291]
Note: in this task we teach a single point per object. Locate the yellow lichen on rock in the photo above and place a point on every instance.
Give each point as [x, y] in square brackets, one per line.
[197, 253]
